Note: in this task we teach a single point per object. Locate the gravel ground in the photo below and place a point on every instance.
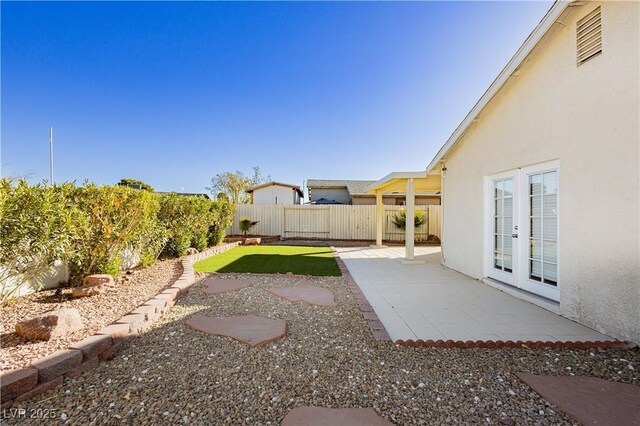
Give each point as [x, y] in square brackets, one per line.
[175, 375]
[97, 312]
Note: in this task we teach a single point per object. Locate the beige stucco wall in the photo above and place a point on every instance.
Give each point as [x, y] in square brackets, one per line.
[273, 194]
[588, 118]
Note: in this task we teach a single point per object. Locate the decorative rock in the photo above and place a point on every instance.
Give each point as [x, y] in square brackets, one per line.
[93, 280]
[589, 400]
[313, 295]
[51, 325]
[249, 329]
[192, 251]
[89, 291]
[56, 364]
[17, 382]
[215, 286]
[252, 241]
[312, 416]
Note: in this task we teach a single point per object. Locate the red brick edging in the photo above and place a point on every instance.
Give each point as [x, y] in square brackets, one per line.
[376, 326]
[49, 372]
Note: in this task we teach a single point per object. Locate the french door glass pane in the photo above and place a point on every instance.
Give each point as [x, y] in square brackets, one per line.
[550, 251]
[503, 224]
[550, 183]
[535, 185]
[551, 273]
[543, 220]
[536, 206]
[549, 204]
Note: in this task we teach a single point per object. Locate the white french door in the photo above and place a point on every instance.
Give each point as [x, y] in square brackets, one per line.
[503, 199]
[523, 237]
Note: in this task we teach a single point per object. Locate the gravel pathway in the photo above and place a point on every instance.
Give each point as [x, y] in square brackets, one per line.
[97, 312]
[175, 375]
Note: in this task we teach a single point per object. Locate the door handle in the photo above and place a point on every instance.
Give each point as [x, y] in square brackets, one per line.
[514, 235]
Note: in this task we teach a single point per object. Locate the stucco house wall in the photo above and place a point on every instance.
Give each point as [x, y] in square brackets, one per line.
[587, 117]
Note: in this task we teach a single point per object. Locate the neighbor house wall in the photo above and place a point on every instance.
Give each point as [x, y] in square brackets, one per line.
[273, 194]
[394, 200]
[587, 117]
[340, 195]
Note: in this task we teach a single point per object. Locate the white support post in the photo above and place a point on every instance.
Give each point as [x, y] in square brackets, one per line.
[379, 219]
[410, 233]
[410, 226]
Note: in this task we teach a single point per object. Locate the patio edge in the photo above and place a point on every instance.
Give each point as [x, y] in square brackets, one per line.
[376, 326]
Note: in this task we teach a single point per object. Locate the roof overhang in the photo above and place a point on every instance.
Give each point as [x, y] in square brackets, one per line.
[553, 16]
[397, 182]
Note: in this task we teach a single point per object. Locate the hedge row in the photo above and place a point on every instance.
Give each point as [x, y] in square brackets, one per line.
[91, 227]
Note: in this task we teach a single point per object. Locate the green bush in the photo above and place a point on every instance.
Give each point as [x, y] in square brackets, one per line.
[38, 225]
[116, 217]
[91, 227]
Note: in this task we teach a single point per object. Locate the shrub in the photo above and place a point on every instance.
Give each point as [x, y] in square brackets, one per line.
[187, 221]
[131, 183]
[224, 214]
[116, 217]
[400, 220]
[38, 226]
[246, 224]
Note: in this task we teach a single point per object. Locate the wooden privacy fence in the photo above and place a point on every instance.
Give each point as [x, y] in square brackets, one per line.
[336, 222]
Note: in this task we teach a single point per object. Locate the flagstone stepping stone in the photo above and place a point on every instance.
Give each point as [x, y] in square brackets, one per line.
[313, 295]
[216, 285]
[249, 329]
[589, 400]
[320, 416]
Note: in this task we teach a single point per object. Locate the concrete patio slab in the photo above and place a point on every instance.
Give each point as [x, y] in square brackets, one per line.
[320, 416]
[311, 294]
[589, 400]
[430, 302]
[249, 329]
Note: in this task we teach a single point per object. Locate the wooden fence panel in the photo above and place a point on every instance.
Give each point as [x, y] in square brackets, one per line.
[339, 222]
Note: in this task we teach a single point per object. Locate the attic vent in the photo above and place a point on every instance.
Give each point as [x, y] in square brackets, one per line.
[589, 36]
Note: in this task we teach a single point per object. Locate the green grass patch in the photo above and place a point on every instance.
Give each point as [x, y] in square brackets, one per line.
[273, 260]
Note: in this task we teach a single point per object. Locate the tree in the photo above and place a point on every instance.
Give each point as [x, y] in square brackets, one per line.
[246, 224]
[135, 183]
[234, 185]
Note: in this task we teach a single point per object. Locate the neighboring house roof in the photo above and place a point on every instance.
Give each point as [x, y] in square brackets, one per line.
[273, 183]
[186, 194]
[354, 187]
[554, 16]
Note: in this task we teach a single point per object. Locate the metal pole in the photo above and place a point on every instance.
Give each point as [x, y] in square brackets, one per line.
[51, 154]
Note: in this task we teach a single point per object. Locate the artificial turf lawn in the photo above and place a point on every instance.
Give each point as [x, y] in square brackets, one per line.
[273, 260]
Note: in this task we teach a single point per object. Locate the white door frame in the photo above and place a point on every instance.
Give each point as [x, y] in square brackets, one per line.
[490, 271]
[520, 268]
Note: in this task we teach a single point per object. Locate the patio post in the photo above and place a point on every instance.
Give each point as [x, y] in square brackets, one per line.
[409, 224]
[379, 218]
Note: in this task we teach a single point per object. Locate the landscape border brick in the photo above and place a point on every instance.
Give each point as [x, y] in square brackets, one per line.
[49, 372]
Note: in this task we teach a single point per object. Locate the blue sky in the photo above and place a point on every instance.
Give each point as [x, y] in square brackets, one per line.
[173, 93]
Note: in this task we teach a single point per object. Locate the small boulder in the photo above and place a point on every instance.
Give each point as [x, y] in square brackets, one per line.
[54, 324]
[89, 291]
[252, 241]
[191, 251]
[93, 280]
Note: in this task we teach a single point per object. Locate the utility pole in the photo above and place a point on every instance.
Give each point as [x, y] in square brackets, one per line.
[51, 155]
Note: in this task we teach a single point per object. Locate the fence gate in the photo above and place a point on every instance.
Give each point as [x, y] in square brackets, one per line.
[306, 222]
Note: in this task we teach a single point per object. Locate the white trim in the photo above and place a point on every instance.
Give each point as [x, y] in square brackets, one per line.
[512, 66]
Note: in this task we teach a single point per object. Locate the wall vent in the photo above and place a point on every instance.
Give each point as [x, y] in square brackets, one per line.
[589, 36]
